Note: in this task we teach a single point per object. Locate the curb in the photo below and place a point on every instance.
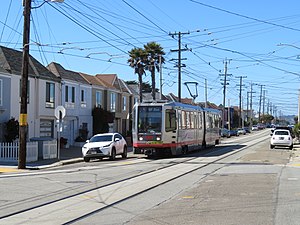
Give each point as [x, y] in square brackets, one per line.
[60, 163]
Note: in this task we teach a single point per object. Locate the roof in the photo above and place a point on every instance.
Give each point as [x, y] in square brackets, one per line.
[11, 62]
[64, 74]
[93, 80]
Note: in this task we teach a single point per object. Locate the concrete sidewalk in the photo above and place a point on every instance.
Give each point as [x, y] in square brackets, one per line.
[67, 156]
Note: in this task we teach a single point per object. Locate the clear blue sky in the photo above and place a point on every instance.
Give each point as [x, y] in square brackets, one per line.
[95, 36]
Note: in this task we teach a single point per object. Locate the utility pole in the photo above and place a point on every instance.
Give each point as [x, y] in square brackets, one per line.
[224, 90]
[179, 60]
[299, 107]
[263, 105]
[24, 83]
[247, 115]
[260, 97]
[240, 96]
[24, 86]
[251, 96]
[205, 93]
[229, 114]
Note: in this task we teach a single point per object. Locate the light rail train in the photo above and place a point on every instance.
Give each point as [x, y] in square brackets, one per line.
[173, 128]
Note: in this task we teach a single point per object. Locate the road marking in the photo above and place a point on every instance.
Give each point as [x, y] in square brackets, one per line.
[188, 197]
[8, 170]
[292, 178]
[295, 164]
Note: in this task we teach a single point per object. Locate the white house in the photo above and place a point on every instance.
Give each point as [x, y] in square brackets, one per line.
[43, 93]
[76, 97]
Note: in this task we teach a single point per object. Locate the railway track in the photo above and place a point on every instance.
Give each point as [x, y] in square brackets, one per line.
[93, 200]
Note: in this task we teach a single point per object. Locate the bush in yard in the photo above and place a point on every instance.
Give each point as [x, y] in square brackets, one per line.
[12, 130]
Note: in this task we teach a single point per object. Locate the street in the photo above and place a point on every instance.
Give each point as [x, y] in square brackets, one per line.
[238, 182]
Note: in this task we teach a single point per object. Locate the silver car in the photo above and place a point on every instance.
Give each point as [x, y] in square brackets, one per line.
[105, 145]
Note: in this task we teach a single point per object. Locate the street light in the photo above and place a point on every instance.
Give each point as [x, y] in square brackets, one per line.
[24, 82]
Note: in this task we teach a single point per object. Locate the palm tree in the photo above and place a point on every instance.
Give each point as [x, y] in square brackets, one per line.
[154, 56]
[137, 61]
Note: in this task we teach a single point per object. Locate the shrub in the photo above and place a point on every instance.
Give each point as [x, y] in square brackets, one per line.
[12, 130]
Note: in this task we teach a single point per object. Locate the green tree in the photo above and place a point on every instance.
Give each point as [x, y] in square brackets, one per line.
[154, 58]
[137, 60]
[266, 118]
[101, 118]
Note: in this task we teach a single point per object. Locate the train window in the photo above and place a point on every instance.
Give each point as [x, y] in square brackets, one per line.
[179, 120]
[183, 120]
[149, 119]
[194, 120]
[170, 122]
[200, 120]
[188, 120]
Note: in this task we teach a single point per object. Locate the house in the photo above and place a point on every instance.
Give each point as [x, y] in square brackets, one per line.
[5, 85]
[43, 93]
[118, 95]
[76, 97]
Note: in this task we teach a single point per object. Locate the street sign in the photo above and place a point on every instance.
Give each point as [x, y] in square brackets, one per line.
[60, 112]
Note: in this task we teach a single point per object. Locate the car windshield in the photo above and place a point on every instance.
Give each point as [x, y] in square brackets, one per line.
[101, 138]
[281, 132]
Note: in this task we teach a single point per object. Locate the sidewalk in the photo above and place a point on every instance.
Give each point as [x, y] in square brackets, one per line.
[67, 156]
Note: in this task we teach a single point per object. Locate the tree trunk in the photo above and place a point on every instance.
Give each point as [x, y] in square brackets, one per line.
[140, 87]
[153, 81]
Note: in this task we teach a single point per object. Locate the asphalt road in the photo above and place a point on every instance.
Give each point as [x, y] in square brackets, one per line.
[239, 182]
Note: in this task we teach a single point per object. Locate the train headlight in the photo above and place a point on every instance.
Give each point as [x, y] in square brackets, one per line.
[158, 138]
[141, 138]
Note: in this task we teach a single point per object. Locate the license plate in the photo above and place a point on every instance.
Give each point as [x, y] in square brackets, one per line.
[281, 138]
[93, 152]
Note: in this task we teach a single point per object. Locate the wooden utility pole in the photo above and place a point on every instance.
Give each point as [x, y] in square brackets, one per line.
[251, 96]
[260, 98]
[179, 60]
[24, 87]
[224, 90]
[240, 97]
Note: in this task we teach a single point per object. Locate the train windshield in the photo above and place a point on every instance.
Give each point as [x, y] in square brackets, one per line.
[149, 119]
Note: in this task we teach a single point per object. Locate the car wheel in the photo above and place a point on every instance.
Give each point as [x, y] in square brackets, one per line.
[113, 154]
[86, 159]
[291, 147]
[124, 154]
[272, 146]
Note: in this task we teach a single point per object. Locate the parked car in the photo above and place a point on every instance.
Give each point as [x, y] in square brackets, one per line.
[105, 145]
[247, 129]
[225, 132]
[284, 128]
[254, 128]
[241, 131]
[234, 133]
[281, 137]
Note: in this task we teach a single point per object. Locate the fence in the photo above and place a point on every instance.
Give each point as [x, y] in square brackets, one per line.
[9, 151]
[50, 149]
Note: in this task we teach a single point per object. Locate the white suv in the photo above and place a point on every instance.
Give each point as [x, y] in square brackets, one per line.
[281, 137]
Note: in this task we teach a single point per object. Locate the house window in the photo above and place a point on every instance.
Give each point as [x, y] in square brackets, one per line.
[20, 90]
[67, 93]
[82, 97]
[99, 99]
[70, 97]
[124, 103]
[50, 95]
[113, 99]
[1, 92]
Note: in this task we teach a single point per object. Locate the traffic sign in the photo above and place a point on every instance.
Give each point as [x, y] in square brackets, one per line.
[60, 112]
